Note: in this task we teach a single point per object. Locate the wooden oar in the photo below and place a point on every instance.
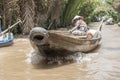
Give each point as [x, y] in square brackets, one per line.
[100, 26]
[99, 29]
[19, 21]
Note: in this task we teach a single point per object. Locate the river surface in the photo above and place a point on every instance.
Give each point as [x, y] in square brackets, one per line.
[101, 64]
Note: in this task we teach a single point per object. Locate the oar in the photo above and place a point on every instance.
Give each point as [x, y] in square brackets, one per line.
[19, 21]
[100, 26]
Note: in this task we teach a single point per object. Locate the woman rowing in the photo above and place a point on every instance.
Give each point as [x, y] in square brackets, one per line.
[80, 26]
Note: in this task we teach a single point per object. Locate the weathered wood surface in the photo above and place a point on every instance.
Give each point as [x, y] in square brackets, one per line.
[42, 39]
[65, 40]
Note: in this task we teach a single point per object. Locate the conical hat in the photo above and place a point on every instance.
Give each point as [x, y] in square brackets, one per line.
[76, 17]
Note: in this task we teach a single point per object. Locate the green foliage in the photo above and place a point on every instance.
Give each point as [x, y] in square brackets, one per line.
[87, 9]
[107, 13]
[45, 13]
[78, 7]
[71, 8]
[50, 13]
[106, 9]
[96, 15]
[110, 2]
[114, 15]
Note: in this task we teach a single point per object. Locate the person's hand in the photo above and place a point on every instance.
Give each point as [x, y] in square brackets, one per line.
[89, 35]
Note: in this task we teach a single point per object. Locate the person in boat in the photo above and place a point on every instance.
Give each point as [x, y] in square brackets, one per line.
[80, 26]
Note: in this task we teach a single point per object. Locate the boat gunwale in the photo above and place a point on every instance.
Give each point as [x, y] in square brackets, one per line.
[6, 44]
[73, 40]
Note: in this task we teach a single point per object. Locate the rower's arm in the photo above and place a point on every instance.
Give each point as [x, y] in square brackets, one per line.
[74, 28]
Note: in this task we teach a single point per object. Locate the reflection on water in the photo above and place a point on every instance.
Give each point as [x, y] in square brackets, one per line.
[101, 64]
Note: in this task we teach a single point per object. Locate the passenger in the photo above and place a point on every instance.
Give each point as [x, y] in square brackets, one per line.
[80, 26]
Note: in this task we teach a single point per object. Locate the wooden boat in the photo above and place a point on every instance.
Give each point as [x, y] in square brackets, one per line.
[58, 40]
[6, 39]
[65, 40]
[46, 41]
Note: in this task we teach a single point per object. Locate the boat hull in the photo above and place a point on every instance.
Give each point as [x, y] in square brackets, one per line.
[6, 40]
[44, 41]
[57, 40]
[6, 44]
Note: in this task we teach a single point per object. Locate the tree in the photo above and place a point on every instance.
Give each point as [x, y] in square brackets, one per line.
[47, 13]
[9, 12]
[27, 13]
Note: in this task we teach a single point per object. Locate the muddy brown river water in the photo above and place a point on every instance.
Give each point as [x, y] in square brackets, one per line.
[101, 64]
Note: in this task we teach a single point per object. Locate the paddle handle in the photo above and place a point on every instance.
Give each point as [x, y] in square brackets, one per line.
[100, 26]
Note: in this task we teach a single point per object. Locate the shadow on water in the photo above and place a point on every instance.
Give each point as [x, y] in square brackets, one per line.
[55, 61]
[44, 65]
[52, 58]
